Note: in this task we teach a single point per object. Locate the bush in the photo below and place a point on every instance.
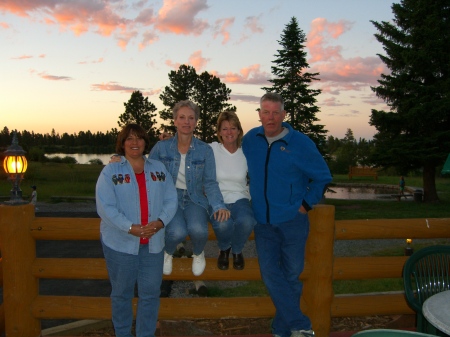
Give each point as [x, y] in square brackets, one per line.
[36, 154]
[95, 161]
[69, 160]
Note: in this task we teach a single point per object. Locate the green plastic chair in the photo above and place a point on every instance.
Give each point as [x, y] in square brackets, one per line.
[425, 273]
[390, 333]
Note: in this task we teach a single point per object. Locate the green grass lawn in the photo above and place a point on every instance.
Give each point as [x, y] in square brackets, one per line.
[55, 179]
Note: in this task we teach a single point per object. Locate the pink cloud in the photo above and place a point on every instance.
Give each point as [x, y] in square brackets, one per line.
[252, 23]
[172, 65]
[245, 98]
[221, 28]
[20, 8]
[248, 75]
[336, 72]
[46, 76]
[124, 37]
[148, 38]
[251, 26]
[333, 101]
[99, 60]
[146, 17]
[78, 16]
[319, 36]
[197, 61]
[114, 86]
[357, 69]
[178, 17]
[108, 18]
[22, 57]
[42, 56]
[4, 25]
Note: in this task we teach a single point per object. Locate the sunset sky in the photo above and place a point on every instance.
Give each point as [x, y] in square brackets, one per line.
[70, 65]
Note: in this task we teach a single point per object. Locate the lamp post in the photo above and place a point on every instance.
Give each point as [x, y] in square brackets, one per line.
[408, 249]
[15, 165]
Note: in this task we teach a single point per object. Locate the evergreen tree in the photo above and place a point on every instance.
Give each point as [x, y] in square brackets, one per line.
[139, 110]
[415, 133]
[292, 81]
[205, 90]
[211, 96]
[182, 84]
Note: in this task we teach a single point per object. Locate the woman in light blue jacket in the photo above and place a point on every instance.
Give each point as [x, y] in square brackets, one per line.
[135, 198]
[191, 164]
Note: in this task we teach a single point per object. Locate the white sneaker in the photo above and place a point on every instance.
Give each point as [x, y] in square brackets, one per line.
[198, 264]
[302, 333]
[167, 269]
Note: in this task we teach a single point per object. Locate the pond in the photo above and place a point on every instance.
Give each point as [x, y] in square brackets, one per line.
[83, 158]
[367, 192]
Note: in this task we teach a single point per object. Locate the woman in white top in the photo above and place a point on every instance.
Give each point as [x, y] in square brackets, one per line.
[231, 174]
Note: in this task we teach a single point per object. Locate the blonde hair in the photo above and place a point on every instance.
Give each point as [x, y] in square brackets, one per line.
[233, 119]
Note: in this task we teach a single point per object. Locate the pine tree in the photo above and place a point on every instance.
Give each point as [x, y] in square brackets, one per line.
[205, 90]
[182, 84]
[139, 110]
[292, 81]
[211, 96]
[415, 133]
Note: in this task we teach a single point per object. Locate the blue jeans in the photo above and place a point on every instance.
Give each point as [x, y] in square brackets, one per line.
[281, 255]
[124, 270]
[190, 219]
[235, 231]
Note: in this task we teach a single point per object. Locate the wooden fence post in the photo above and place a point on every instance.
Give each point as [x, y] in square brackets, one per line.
[318, 286]
[20, 288]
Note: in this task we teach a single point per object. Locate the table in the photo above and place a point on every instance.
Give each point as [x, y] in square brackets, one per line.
[436, 310]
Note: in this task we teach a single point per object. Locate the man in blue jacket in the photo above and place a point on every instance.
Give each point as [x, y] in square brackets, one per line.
[288, 176]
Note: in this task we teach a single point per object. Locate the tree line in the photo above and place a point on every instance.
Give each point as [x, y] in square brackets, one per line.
[413, 135]
[340, 153]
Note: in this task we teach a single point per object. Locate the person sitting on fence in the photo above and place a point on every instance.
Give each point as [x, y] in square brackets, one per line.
[191, 164]
[231, 172]
[135, 198]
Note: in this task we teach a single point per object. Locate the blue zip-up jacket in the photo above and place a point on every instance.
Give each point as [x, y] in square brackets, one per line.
[289, 173]
[118, 204]
[200, 169]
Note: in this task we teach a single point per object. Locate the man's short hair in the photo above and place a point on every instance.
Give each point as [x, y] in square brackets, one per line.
[273, 97]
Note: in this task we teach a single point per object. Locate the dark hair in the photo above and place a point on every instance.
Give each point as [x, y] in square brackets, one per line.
[233, 119]
[130, 129]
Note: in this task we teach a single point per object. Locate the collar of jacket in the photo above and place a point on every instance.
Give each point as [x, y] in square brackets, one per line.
[286, 138]
[174, 143]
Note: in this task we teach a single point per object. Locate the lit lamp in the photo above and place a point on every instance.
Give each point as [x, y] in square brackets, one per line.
[15, 165]
[408, 249]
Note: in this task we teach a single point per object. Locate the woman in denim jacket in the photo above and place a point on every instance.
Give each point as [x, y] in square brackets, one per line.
[135, 197]
[191, 164]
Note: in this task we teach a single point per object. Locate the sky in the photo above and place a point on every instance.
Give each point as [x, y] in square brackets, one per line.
[71, 65]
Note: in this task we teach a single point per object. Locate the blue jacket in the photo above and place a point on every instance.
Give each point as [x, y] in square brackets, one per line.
[200, 169]
[118, 204]
[285, 175]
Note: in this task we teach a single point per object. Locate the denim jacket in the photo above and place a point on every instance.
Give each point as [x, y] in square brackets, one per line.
[200, 169]
[118, 204]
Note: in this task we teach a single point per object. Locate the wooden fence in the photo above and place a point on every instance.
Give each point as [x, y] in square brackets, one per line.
[24, 307]
[362, 171]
